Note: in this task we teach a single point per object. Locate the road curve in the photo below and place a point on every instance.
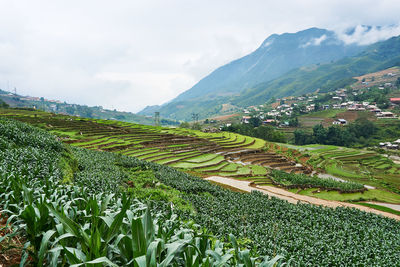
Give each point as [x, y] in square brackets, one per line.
[292, 197]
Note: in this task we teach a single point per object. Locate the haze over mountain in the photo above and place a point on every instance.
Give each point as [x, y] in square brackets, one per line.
[277, 55]
[247, 80]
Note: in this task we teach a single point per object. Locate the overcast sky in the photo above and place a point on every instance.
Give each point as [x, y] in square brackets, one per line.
[129, 54]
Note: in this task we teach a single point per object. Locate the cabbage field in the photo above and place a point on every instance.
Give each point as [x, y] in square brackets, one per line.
[71, 206]
[88, 221]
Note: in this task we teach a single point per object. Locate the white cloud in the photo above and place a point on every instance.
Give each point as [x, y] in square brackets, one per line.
[141, 86]
[128, 54]
[315, 41]
[364, 35]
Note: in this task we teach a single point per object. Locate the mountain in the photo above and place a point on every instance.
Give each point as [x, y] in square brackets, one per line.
[325, 77]
[18, 101]
[277, 55]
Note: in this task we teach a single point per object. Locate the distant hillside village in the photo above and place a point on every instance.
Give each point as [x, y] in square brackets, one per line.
[281, 110]
[59, 107]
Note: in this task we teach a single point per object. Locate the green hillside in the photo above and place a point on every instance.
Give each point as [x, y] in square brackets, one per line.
[73, 206]
[277, 55]
[305, 79]
[18, 101]
[326, 77]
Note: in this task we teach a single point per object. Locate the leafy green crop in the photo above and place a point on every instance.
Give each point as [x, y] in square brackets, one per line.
[91, 223]
[303, 181]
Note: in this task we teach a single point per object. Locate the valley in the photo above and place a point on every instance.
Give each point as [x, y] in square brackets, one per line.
[375, 178]
[67, 180]
[246, 139]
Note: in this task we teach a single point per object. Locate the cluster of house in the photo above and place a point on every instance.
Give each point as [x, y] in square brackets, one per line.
[32, 98]
[390, 145]
[339, 102]
[246, 119]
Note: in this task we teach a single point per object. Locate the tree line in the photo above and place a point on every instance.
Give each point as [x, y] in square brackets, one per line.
[355, 133]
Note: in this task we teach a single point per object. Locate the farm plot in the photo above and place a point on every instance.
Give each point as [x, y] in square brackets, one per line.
[204, 154]
[356, 165]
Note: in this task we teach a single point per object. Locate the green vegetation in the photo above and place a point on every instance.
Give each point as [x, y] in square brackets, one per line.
[360, 166]
[291, 180]
[91, 222]
[369, 195]
[264, 225]
[378, 207]
[327, 77]
[98, 112]
[355, 134]
[267, 133]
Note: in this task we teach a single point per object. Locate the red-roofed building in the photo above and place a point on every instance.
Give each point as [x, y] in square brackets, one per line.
[395, 100]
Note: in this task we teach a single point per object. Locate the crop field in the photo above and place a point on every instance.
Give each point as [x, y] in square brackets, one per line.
[71, 206]
[204, 154]
[227, 154]
[362, 166]
[88, 220]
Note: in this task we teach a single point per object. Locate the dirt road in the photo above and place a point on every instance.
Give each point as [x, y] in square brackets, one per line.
[292, 197]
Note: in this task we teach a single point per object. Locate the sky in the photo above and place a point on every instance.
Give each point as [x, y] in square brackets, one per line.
[127, 54]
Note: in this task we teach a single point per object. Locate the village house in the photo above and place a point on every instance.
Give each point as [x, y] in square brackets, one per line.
[270, 121]
[386, 115]
[245, 119]
[395, 100]
[339, 122]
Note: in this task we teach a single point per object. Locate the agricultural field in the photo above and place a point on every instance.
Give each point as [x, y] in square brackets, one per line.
[202, 154]
[53, 218]
[355, 165]
[229, 155]
[71, 206]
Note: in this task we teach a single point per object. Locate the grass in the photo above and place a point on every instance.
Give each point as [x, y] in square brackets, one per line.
[202, 158]
[189, 165]
[335, 170]
[378, 207]
[329, 113]
[371, 194]
[258, 170]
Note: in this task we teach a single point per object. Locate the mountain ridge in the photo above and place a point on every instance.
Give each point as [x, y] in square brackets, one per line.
[276, 55]
[327, 75]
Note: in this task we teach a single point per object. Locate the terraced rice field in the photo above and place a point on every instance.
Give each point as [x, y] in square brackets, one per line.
[363, 166]
[204, 154]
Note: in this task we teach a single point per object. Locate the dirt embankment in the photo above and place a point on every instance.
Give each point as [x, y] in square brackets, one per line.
[292, 197]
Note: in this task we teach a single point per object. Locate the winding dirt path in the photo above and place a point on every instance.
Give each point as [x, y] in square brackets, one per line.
[292, 197]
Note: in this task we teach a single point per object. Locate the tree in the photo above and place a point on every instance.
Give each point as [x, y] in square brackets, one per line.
[320, 134]
[184, 124]
[255, 121]
[196, 126]
[363, 127]
[294, 122]
[302, 138]
[4, 104]
[317, 106]
[70, 110]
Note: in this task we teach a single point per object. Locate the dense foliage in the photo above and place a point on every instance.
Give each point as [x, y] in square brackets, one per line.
[254, 129]
[310, 235]
[86, 224]
[292, 180]
[354, 134]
